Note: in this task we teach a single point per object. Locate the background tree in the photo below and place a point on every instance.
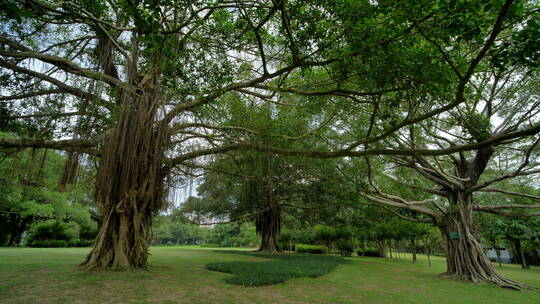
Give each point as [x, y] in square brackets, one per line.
[516, 231]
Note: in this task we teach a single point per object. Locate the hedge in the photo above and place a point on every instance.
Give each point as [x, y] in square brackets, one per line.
[317, 249]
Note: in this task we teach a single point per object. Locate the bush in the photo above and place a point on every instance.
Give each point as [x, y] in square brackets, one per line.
[87, 232]
[318, 249]
[48, 243]
[370, 252]
[80, 243]
[346, 248]
[325, 234]
[49, 234]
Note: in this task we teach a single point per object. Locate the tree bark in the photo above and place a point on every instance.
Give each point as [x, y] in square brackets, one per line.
[464, 255]
[520, 254]
[413, 250]
[130, 184]
[382, 249]
[268, 226]
[268, 222]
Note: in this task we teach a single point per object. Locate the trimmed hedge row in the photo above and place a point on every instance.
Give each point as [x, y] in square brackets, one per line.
[317, 249]
[60, 243]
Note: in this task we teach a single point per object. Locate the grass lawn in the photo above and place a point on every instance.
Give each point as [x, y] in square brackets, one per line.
[178, 275]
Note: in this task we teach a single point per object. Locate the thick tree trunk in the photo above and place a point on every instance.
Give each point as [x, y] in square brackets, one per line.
[268, 222]
[129, 187]
[464, 255]
[268, 226]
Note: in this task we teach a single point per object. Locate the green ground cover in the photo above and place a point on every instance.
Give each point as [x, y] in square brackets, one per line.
[178, 275]
[277, 269]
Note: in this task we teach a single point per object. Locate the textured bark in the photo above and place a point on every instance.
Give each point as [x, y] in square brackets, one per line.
[268, 226]
[129, 187]
[268, 221]
[465, 257]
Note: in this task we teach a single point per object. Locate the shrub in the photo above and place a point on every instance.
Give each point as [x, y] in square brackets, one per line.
[370, 252]
[48, 243]
[318, 249]
[87, 232]
[210, 245]
[80, 243]
[346, 248]
[50, 234]
[325, 234]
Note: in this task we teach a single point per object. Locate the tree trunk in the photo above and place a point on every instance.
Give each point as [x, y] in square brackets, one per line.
[18, 226]
[465, 258]
[520, 254]
[413, 250]
[268, 221]
[382, 249]
[498, 252]
[268, 226]
[129, 185]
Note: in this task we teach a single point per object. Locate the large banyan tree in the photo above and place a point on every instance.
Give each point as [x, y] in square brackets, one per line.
[502, 109]
[157, 76]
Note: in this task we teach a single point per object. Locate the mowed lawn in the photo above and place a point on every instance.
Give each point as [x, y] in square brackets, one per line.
[178, 275]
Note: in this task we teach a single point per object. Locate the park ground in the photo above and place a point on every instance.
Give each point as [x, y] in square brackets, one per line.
[178, 275]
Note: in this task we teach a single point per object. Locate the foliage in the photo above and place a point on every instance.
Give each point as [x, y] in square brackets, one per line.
[52, 233]
[279, 269]
[233, 235]
[317, 249]
[175, 229]
[346, 247]
[29, 186]
[370, 252]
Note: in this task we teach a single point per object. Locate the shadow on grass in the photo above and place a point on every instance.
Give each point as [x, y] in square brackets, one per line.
[278, 269]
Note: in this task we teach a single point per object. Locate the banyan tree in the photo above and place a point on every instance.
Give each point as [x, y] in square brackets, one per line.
[494, 112]
[158, 77]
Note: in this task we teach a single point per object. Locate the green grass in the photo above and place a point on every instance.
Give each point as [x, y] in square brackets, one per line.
[278, 269]
[178, 275]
